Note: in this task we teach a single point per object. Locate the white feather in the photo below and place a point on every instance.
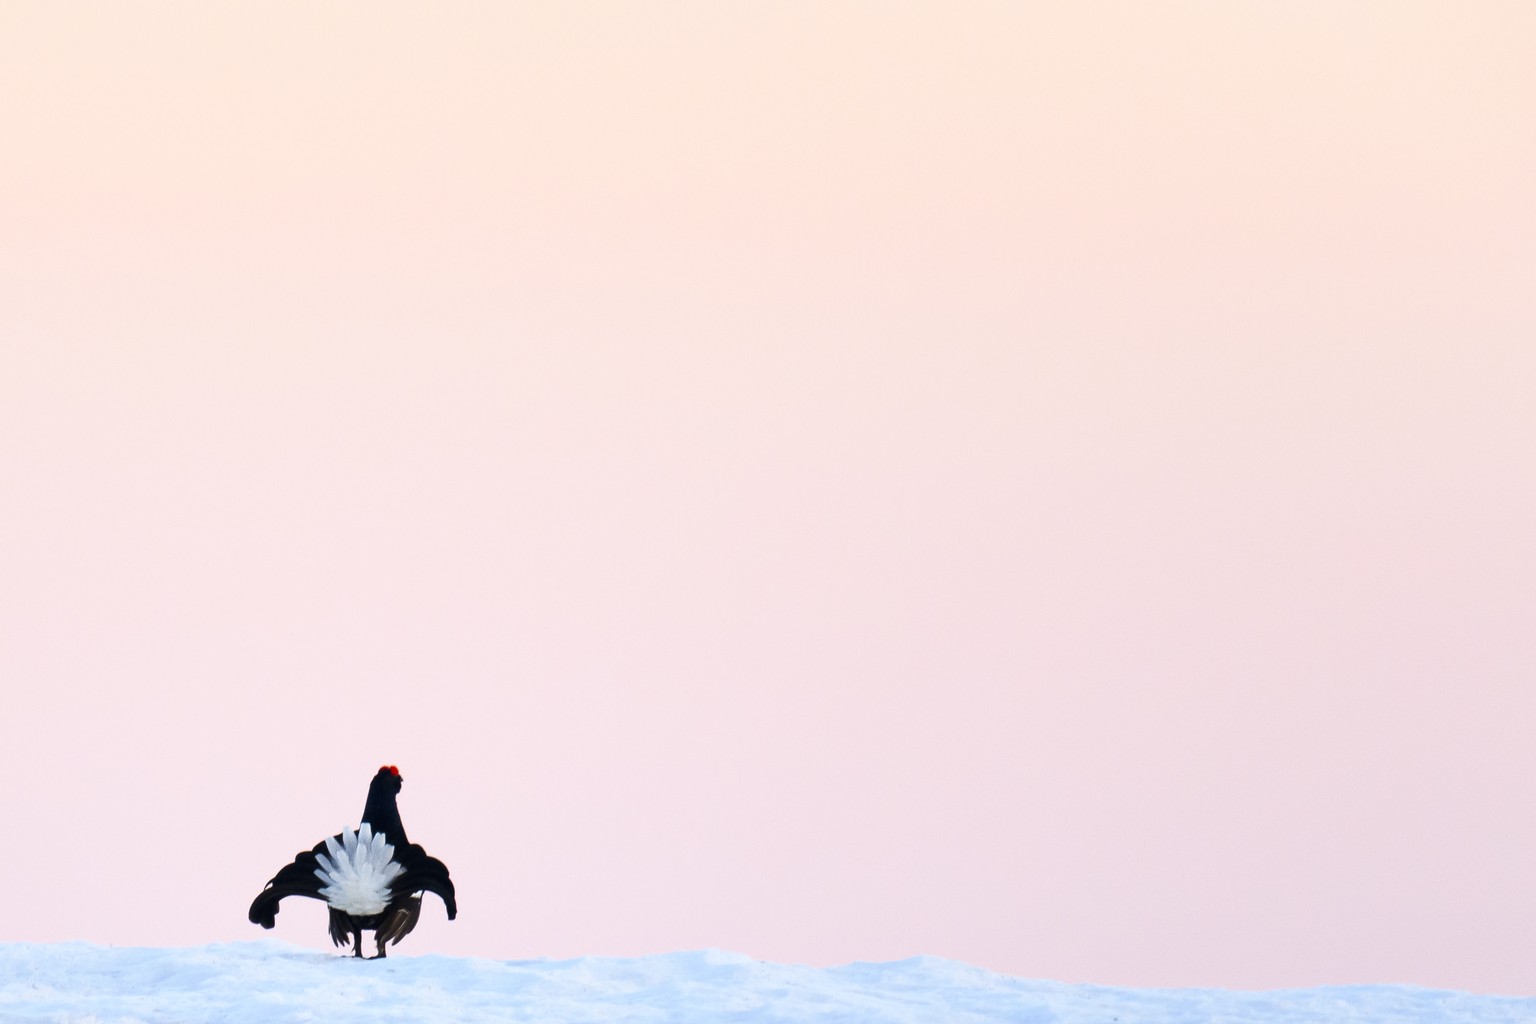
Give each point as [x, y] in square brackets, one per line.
[358, 872]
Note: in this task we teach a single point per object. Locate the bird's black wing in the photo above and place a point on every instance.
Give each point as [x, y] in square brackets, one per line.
[398, 920]
[296, 879]
[424, 874]
[340, 926]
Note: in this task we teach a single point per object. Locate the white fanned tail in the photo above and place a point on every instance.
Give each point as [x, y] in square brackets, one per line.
[358, 872]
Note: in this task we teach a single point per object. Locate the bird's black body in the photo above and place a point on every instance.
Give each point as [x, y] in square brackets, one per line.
[371, 879]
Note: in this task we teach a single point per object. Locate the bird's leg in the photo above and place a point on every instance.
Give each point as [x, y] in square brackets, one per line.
[357, 943]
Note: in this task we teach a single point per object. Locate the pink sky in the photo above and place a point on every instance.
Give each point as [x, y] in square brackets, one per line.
[1045, 485]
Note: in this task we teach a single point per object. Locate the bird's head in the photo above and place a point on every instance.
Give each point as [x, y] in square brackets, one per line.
[380, 810]
[386, 780]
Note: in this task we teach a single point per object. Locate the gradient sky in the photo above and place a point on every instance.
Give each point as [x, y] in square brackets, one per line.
[1049, 485]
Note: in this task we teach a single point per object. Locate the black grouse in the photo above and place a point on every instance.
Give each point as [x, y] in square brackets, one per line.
[371, 878]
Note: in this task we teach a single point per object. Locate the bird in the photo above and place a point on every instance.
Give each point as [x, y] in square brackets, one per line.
[371, 877]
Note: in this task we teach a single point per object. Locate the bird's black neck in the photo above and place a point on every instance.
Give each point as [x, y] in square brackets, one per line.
[383, 816]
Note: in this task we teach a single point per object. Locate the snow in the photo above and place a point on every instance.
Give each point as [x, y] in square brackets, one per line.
[267, 982]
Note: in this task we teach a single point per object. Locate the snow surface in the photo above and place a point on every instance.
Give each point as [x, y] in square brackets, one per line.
[246, 982]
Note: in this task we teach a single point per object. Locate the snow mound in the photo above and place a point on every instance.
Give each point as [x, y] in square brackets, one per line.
[271, 983]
